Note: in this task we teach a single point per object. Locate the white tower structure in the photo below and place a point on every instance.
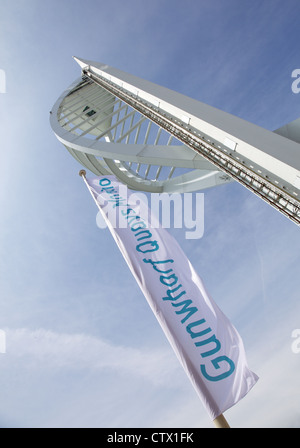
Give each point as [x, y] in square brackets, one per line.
[157, 140]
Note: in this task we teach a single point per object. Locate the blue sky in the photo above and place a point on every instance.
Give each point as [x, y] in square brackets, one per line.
[83, 348]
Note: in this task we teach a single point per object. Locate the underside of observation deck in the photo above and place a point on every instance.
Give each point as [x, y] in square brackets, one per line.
[154, 139]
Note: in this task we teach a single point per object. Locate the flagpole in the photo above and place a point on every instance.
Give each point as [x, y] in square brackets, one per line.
[82, 173]
[221, 422]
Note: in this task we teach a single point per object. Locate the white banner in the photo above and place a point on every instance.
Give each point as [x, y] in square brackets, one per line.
[207, 345]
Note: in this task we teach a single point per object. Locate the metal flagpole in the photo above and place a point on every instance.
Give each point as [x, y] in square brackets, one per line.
[82, 173]
[220, 421]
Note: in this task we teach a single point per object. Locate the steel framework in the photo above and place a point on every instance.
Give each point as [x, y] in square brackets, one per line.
[157, 140]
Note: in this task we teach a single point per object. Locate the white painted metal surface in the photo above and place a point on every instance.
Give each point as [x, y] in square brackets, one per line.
[155, 139]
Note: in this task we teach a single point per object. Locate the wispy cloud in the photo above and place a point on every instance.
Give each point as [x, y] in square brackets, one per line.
[43, 349]
[62, 374]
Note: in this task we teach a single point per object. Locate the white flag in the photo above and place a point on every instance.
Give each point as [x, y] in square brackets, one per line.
[206, 343]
